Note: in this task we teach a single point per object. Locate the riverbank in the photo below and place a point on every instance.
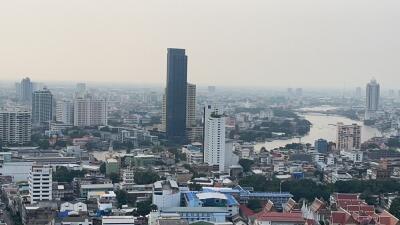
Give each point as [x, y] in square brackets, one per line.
[323, 126]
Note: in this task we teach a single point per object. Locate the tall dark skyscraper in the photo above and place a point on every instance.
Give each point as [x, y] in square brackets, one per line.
[176, 93]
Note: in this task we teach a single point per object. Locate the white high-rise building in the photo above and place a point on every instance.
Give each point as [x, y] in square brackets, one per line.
[15, 127]
[214, 136]
[372, 100]
[42, 106]
[89, 111]
[40, 183]
[80, 90]
[65, 112]
[348, 137]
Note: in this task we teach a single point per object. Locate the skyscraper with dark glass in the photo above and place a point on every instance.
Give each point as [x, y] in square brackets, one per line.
[176, 93]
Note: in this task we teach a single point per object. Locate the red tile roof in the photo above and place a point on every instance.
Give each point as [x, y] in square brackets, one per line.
[246, 211]
[342, 196]
[280, 217]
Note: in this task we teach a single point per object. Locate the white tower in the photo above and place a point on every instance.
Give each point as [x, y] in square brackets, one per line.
[40, 183]
[214, 136]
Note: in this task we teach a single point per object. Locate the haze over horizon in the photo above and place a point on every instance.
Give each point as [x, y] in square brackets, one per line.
[257, 43]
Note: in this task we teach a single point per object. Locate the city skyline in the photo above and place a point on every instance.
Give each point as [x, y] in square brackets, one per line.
[314, 44]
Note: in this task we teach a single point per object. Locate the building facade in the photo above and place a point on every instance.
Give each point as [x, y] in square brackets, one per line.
[191, 106]
[176, 95]
[214, 136]
[42, 106]
[15, 127]
[65, 112]
[40, 183]
[348, 137]
[372, 99]
[89, 111]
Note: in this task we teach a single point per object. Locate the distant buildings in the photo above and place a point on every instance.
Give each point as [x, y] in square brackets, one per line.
[372, 99]
[40, 183]
[321, 145]
[176, 95]
[65, 112]
[348, 137]
[25, 90]
[15, 127]
[42, 106]
[80, 90]
[211, 89]
[214, 136]
[89, 111]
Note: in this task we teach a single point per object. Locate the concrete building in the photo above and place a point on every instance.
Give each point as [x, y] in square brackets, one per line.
[40, 183]
[214, 137]
[231, 159]
[176, 95]
[26, 89]
[191, 106]
[193, 214]
[65, 112]
[80, 90]
[15, 127]
[18, 170]
[89, 111]
[372, 99]
[348, 137]
[118, 220]
[42, 106]
[86, 188]
[166, 194]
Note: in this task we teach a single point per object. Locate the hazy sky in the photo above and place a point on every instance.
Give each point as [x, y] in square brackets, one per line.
[228, 42]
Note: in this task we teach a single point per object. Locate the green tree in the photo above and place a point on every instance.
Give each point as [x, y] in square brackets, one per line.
[246, 164]
[146, 177]
[145, 207]
[395, 207]
[62, 174]
[254, 204]
[122, 197]
[44, 144]
[103, 168]
[114, 178]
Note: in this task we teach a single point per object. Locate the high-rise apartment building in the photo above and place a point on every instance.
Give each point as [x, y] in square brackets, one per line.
[176, 95]
[89, 111]
[42, 106]
[40, 183]
[15, 127]
[80, 90]
[65, 112]
[348, 137]
[26, 89]
[191, 106]
[214, 136]
[164, 113]
[372, 99]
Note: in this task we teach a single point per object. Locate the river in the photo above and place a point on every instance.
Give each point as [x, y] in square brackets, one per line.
[323, 126]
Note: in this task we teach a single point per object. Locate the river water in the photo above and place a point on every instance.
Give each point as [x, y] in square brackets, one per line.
[323, 126]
